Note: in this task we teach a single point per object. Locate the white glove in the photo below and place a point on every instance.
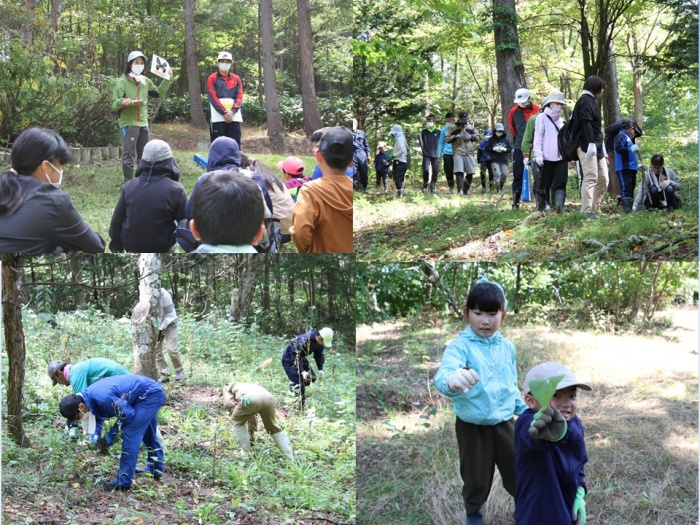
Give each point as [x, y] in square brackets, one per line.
[526, 161]
[463, 380]
[634, 208]
[591, 151]
[539, 160]
[320, 374]
[634, 147]
[664, 184]
[305, 375]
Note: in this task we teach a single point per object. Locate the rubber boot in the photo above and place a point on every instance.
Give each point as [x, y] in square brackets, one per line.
[128, 173]
[468, 183]
[516, 200]
[541, 202]
[559, 198]
[460, 182]
[243, 437]
[626, 204]
[432, 187]
[282, 441]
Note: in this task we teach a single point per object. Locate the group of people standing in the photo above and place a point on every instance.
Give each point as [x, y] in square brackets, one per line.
[535, 146]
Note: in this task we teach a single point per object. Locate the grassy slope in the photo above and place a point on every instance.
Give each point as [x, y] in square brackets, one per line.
[483, 228]
[208, 480]
[640, 422]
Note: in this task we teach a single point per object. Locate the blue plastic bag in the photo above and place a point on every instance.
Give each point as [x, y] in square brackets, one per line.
[526, 196]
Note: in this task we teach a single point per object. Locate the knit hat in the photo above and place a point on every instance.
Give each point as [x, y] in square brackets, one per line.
[156, 151]
[292, 165]
[554, 96]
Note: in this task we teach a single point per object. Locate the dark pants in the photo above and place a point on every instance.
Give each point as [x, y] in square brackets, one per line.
[628, 179]
[428, 164]
[486, 168]
[449, 165]
[518, 168]
[382, 177]
[481, 448]
[554, 176]
[134, 139]
[399, 169]
[293, 369]
[360, 174]
[226, 129]
[655, 196]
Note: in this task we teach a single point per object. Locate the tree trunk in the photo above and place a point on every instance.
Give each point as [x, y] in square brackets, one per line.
[509, 65]
[196, 110]
[275, 130]
[14, 345]
[309, 103]
[76, 270]
[611, 95]
[146, 316]
[249, 271]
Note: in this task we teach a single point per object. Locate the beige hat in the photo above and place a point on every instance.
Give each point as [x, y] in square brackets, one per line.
[546, 370]
[554, 96]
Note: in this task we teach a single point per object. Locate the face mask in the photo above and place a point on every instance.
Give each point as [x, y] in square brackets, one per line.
[60, 176]
[430, 124]
[137, 69]
[224, 67]
[555, 107]
[499, 133]
[523, 104]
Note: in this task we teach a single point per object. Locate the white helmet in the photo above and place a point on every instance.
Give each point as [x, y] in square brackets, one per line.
[225, 55]
[521, 96]
[135, 54]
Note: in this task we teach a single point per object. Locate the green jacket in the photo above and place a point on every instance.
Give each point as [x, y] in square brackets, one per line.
[127, 87]
[528, 136]
[85, 373]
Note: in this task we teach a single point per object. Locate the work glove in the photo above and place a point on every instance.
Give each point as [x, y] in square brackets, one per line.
[94, 438]
[463, 379]
[245, 401]
[526, 161]
[592, 150]
[467, 136]
[664, 184]
[305, 375]
[605, 151]
[548, 424]
[578, 511]
[539, 160]
[634, 147]
[320, 374]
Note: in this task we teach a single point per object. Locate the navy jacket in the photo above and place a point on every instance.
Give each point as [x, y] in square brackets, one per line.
[381, 162]
[548, 474]
[302, 346]
[625, 158]
[497, 156]
[429, 142]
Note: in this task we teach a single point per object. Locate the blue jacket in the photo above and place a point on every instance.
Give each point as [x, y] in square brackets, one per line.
[625, 158]
[302, 346]
[116, 396]
[482, 154]
[496, 397]
[548, 474]
[444, 148]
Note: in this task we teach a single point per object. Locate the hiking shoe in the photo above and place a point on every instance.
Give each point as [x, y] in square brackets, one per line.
[111, 486]
[180, 376]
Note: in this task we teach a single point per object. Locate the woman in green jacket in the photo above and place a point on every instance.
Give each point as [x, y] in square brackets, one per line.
[129, 99]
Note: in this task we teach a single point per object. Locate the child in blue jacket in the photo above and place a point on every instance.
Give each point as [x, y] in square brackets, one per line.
[550, 453]
[626, 165]
[483, 157]
[478, 373]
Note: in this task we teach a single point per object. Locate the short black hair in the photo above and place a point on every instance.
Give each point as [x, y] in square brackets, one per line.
[450, 115]
[486, 297]
[228, 208]
[657, 160]
[594, 84]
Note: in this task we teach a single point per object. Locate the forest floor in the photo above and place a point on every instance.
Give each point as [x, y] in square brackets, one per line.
[640, 421]
[485, 228]
[208, 480]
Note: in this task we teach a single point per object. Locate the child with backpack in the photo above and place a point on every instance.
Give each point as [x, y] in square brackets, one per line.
[293, 170]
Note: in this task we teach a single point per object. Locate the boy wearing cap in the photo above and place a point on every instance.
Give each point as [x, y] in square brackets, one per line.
[429, 144]
[463, 136]
[129, 98]
[245, 401]
[225, 91]
[150, 205]
[134, 401]
[293, 170]
[484, 159]
[626, 165]
[518, 116]
[499, 149]
[381, 165]
[227, 214]
[322, 216]
[478, 373]
[296, 363]
[550, 453]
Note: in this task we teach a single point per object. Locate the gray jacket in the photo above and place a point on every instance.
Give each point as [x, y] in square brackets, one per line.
[649, 179]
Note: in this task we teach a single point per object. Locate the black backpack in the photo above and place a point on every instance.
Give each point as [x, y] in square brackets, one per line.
[568, 140]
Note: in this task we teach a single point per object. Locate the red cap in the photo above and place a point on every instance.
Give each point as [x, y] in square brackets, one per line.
[292, 165]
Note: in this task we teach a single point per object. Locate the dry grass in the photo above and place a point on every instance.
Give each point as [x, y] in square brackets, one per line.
[640, 421]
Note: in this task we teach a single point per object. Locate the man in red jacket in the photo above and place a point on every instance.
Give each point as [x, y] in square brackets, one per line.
[518, 116]
[225, 91]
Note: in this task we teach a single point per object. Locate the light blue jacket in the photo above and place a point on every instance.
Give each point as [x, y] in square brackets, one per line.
[444, 148]
[496, 397]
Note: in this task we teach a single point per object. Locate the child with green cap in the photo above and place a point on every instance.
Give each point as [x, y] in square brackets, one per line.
[478, 373]
[550, 451]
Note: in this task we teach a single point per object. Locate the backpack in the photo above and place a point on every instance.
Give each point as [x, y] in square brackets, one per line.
[568, 140]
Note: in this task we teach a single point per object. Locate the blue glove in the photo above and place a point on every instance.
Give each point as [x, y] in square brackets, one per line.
[95, 438]
[111, 436]
[245, 400]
